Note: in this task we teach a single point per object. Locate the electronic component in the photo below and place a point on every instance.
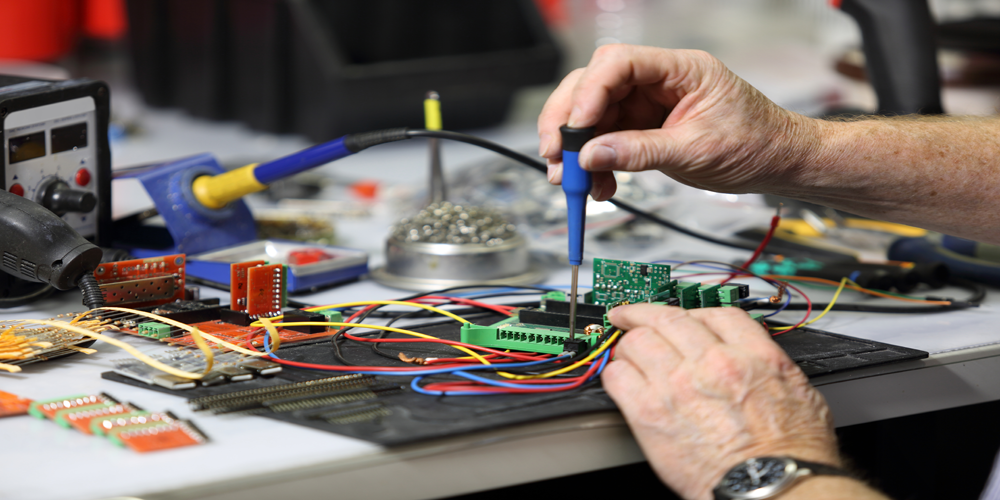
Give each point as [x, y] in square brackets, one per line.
[56, 149]
[238, 277]
[258, 289]
[260, 366]
[142, 282]
[11, 404]
[47, 409]
[266, 294]
[617, 281]
[189, 311]
[547, 329]
[157, 436]
[300, 316]
[101, 425]
[512, 334]
[235, 373]
[153, 329]
[227, 367]
[82, 418]
[221, 403]
[24, 343]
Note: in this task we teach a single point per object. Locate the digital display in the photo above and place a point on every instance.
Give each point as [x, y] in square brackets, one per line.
[69, 137]
[26, 147]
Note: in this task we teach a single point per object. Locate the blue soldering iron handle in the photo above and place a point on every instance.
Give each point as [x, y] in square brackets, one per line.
[576, 184]
[322, 154]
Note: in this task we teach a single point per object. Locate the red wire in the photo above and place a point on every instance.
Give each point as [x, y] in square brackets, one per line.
[760, 248]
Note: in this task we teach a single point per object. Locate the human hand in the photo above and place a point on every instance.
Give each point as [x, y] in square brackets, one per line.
[678, 111]
[704, 389]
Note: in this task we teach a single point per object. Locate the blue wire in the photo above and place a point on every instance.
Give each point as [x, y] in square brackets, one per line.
[267, 349]
[415, 383]
[788, 300]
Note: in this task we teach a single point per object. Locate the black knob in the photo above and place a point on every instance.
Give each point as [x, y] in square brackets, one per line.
[56, 195]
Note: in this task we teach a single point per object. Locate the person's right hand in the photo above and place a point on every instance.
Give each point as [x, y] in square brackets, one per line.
[678, 111]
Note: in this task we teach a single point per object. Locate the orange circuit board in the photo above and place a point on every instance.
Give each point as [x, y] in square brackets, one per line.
[238, 283]
[12, 404]
[142, 282]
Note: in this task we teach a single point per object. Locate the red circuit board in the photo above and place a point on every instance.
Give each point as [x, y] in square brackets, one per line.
[238, 335]
[265, 290]
[142, 282]
[160, 437]
[81, 420]
[12, 404]
[49, 408]
[238, 283]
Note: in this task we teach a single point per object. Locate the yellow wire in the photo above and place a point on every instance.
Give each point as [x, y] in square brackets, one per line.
[466, 350]
[390, 303]
[273, 332]
[843, 283]
[122, 345]
[597, 352]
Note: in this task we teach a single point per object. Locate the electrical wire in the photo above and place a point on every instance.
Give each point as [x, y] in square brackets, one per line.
[541, 167]
[843, 283]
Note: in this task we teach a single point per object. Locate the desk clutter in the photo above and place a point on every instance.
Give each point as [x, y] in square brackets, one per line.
[481, 366]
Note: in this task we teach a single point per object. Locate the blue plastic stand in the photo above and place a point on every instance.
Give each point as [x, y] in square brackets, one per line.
[193, 227]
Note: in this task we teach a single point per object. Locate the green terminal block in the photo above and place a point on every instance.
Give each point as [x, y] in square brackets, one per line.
[509, 334]
[729, 295]
[154, 330]
[687, 292]
[708, 296]
[554, 295]
[758, 317]
[332, 316]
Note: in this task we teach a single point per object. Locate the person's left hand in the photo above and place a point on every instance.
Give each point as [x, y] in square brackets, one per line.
[704, 389]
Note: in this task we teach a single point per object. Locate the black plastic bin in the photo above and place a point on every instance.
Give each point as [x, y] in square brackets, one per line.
[324, 68]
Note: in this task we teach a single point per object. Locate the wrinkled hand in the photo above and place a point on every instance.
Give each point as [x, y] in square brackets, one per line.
[704, 389]
[679, 111]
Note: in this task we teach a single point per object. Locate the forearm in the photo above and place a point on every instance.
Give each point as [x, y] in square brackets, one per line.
[831, 488]
[939, 173]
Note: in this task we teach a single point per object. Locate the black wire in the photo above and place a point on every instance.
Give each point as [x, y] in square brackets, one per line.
[43, 290]
[978, 293]
[541, 167]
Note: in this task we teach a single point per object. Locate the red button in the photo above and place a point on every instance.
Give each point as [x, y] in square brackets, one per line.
[82, 177]
[17, 189]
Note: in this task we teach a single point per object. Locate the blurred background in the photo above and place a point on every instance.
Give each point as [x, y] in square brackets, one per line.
[253, 80]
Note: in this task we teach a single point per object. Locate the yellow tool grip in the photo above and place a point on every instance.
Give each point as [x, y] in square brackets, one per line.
[216, 191]
[432, 114]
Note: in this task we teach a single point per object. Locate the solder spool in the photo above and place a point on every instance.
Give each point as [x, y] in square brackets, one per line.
[449, 249]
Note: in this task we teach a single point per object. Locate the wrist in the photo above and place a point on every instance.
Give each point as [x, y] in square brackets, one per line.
[830, 488]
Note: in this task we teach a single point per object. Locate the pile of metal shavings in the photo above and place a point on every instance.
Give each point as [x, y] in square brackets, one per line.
[455, 224]
[22, 343]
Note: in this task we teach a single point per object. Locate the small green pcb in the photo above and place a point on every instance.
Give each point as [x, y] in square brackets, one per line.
[617, 281]
[154, 330]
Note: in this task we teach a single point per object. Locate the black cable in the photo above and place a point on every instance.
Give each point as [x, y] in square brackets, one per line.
[541, 167]
[92, 296]
[978, 293]
[41, 291]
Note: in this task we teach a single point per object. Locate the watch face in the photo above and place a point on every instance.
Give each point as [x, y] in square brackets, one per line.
[755, 474]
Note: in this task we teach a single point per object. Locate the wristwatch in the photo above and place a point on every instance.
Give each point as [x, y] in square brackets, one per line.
[765, 477]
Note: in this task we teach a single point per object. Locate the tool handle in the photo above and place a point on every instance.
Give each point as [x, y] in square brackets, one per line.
[922, 250]
[900, 54]
[576, 184]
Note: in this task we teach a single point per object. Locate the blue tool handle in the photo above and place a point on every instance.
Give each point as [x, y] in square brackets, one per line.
[301, 161]
[922, 250]
[576, 184]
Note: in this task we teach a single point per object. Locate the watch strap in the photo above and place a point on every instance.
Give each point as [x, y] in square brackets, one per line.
[822, 469]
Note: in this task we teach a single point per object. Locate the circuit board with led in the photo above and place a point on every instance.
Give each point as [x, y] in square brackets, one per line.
[546, 329]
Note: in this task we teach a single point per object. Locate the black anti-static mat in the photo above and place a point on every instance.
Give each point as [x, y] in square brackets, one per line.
[414, 417]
